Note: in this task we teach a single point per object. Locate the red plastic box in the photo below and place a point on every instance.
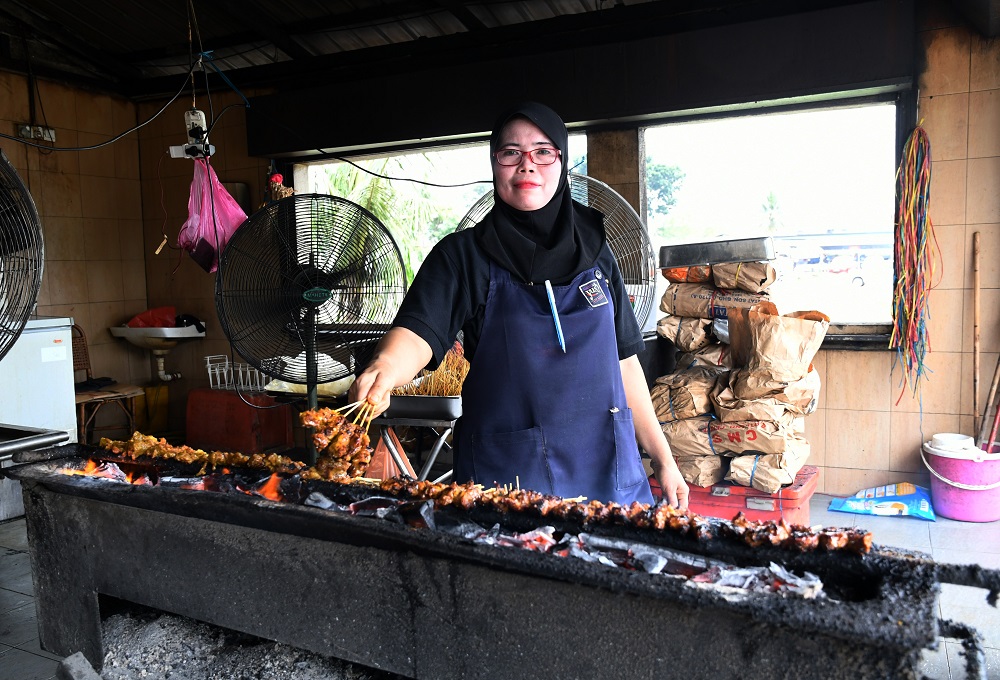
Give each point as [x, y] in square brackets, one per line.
[725, 499]
[219, 420]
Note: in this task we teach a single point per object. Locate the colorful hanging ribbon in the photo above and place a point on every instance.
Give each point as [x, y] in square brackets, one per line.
[914, 261]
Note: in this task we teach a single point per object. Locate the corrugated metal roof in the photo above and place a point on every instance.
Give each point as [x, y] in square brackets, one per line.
[124, 40]
[139, 48]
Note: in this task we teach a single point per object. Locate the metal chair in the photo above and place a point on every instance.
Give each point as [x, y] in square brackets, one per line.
[89, 403]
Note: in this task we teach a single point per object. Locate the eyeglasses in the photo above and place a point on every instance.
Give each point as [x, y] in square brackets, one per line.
[545, 155]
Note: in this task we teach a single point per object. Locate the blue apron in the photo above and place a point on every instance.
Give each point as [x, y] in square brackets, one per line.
[554, 422]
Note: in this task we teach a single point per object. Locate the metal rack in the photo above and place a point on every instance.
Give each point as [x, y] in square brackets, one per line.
[441, 428]
[226, 375]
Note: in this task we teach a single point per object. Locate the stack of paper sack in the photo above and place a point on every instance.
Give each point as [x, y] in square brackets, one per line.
[744, 378]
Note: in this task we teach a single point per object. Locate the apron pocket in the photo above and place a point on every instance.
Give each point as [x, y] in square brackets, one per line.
[511, 458]
[628, 461]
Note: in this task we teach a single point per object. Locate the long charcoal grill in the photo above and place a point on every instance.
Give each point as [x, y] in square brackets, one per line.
[425, 604]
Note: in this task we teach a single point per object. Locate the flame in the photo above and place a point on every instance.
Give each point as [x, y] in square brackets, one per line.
[89, 469]
[138, 478]
[269, 489]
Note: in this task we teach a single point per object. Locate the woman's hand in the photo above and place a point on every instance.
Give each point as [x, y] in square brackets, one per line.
[649, 434]
[672, 484]
[374, 384]
[398, 357]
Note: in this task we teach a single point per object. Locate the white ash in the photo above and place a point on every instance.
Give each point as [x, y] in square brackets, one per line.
[149, 646]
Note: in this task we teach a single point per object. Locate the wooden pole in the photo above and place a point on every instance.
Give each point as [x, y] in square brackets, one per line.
[976, 409]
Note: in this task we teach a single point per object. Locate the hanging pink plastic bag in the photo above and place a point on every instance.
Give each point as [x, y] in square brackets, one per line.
[204, 237]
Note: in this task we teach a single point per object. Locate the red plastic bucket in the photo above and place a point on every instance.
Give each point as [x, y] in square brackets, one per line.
[965, 480]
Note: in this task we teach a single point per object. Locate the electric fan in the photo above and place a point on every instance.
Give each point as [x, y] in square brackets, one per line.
[21, 255]
[307, 286]
[626, 234]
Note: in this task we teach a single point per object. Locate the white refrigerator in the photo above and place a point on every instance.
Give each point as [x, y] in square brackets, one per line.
[36, 390]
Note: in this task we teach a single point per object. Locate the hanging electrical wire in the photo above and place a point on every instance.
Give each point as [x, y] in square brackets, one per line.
[914, 261]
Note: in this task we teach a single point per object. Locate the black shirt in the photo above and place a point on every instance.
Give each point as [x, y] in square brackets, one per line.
[449, 294]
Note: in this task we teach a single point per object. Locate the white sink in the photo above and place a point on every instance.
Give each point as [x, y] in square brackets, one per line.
[156, 338]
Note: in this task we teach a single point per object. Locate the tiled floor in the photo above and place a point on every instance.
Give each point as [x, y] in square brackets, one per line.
[21, 658]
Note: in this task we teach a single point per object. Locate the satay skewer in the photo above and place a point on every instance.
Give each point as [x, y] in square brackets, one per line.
[349, 407]
[363, 413]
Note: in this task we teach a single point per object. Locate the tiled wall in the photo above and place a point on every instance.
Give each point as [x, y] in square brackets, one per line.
[869, 428]
[91, 213]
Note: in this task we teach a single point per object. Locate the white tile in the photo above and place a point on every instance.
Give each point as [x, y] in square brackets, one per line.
[956, 660]
[899, 532]
[934, 663]
[966, 556]
[951, 535]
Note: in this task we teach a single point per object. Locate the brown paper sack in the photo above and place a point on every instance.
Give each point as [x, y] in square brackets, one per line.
[684, 394]
[703, 301]
[801, 396]
[730, 408]
[769, 472]
[783, 346]
[716, 356]
[702, 470]
[739, 336]
[684, 333]
[760, 436]
[694, 274]
[689, 437]
[382, 465]
[753, 277]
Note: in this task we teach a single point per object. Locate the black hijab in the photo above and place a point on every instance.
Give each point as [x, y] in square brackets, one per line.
[555, 242]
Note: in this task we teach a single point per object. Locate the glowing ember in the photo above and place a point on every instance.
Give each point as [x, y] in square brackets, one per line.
[89, 469]
[138, 478]
[94, 469]
[270, 488]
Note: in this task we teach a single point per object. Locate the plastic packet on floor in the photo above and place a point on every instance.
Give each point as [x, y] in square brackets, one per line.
[892, 500]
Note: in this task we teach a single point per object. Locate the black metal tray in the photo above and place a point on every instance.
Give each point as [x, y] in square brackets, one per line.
[717, 252]
[420, 407]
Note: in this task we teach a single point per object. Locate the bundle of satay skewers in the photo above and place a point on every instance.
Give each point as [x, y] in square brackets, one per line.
[343, 447]
[444, 381]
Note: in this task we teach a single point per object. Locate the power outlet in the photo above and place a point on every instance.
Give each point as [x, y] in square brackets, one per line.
[36, 132]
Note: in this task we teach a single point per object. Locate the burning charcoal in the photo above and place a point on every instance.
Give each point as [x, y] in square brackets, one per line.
[418, 514]
[105, 470]
[572, 546]
[539, 539]
[662, 560]
[808, 585]
[462, 528]
[650, 562]
[293, 490]
[378, 506]
[220, 482]
[318, 500]
[195, 483]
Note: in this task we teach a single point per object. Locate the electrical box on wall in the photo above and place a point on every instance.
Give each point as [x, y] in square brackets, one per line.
[36, 132]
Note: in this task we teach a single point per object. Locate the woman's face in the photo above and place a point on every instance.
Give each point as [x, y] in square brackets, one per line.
[525, 186]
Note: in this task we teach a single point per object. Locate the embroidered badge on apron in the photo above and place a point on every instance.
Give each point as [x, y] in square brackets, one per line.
[592, 292]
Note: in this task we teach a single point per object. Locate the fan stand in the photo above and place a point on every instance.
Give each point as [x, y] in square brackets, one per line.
[312, 391]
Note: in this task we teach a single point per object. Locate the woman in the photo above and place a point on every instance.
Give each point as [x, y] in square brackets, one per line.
[555, 397]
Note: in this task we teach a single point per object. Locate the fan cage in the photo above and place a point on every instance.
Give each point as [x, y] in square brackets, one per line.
[22, 255]
[626, 234]
[311, 273]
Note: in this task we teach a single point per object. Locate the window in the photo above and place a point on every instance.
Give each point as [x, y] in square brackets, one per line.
[820, 182]
[417, 215]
